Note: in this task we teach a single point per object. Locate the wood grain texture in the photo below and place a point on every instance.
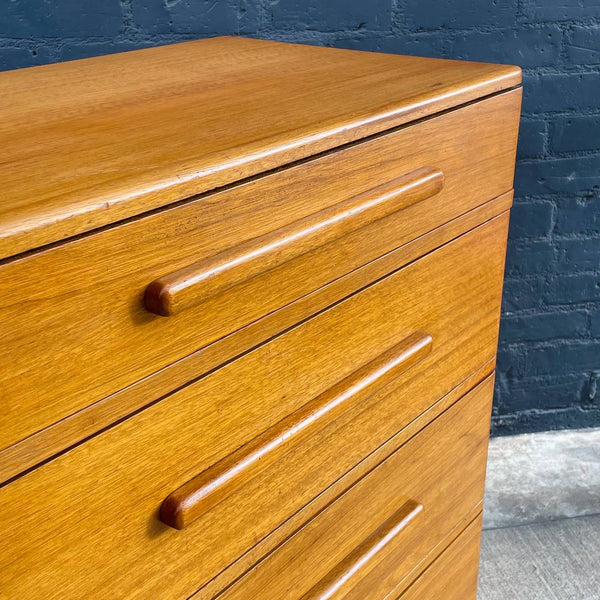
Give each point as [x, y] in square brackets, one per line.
[73, 525]
[196, 283]
[204, 491]
[428, 560]
[97, 416]
[236, 569]
[112, 137]
[302, 216]
[453, 576]
[361, 560]
[442, 468]
[96, 284]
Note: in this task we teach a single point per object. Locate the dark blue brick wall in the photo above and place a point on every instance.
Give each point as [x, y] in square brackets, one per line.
[549, 359]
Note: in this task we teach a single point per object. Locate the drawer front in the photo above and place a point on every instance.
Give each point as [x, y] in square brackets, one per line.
[453, 576]
[249, 445]
[401, 510]
[78, 320]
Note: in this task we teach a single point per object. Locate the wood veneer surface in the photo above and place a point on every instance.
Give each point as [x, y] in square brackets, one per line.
[83, 301]
[92, 513]
[111, 137]
[441, 470]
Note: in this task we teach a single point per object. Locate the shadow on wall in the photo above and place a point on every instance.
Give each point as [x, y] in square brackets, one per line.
[549, 357]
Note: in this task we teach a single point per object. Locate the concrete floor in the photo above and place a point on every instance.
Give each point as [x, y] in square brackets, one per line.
[556, 560]
[541, 477]
[542, 518]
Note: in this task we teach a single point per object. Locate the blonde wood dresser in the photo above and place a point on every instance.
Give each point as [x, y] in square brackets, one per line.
[249, 302]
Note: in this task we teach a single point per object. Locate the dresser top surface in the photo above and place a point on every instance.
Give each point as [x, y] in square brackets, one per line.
[91, 142]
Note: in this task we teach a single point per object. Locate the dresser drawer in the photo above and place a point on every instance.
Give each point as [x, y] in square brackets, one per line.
[77, 318]
[246, 447]
[400, 510]
[453, 575]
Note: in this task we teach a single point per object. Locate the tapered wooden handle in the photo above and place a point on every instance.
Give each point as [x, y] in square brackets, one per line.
[347, 573]
[204, 491]
[195, 283]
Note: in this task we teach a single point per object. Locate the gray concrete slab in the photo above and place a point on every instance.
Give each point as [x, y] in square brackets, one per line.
[537, 477]
[557, 560]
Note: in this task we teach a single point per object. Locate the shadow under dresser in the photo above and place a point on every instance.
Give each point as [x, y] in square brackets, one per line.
[249, 301]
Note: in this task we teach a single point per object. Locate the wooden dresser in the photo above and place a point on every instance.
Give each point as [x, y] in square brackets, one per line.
[249, 301]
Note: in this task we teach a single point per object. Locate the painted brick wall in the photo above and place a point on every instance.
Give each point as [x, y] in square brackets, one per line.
[549, 357]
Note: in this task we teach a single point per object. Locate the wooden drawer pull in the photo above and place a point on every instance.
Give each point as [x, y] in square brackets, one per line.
[204, 491]
[356, 565]
[192, 285]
